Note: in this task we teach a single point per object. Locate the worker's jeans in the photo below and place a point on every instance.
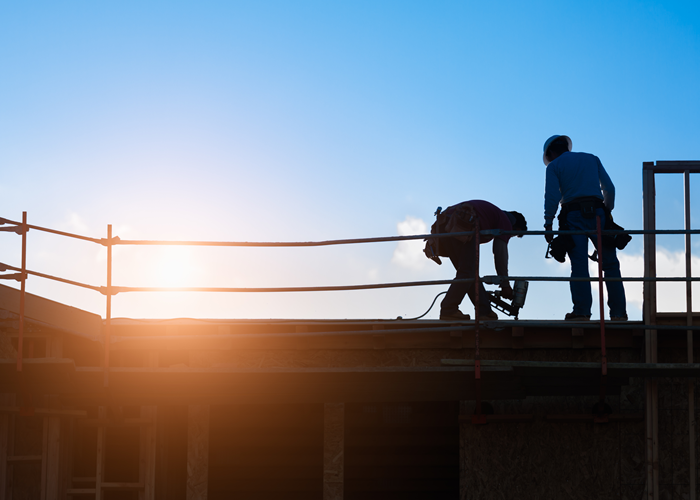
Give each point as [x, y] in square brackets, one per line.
[463, 257]
[581, 290]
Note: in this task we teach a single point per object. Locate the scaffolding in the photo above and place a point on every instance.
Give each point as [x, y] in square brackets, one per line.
[484, 374]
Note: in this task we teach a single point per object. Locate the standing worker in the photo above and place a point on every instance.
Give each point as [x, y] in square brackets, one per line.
[462, 253]
[580, 183]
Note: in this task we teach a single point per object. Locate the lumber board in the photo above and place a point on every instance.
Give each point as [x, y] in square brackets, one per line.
[333, 450]
[198, 425]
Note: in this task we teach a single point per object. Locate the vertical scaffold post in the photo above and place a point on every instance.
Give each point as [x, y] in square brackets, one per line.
[478, 418]
[601, 302]
[108, 318]
[650, 335]
[689, 322]
[20, 339]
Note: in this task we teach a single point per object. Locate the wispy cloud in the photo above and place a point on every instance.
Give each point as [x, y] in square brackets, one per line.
[670, 296]
[74, 222]
[409, 254]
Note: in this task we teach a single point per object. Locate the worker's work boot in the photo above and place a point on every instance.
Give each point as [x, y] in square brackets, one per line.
[488, 315]
[456, 315]
[576, 317]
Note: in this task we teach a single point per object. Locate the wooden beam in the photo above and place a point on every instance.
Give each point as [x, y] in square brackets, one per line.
[333, 451]
[672, 167]
[198, 452]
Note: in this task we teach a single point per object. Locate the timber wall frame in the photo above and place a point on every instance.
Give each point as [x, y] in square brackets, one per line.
[649, 172]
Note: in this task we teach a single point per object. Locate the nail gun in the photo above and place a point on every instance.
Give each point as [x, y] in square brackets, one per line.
[512, 309]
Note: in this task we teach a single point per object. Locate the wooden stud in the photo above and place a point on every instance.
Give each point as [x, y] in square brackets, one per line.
[53, 451]
[689, 335]
[4, 445]
[99, 468]
[197, 452]
[649, 195]
[44, 456]
[147, 452]
[333, 451]
[10, 453]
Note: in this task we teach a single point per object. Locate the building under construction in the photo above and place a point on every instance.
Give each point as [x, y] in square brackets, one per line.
[99, 408]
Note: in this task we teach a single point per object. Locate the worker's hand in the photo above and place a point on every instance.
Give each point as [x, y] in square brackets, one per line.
[548, 237]
[506, 290]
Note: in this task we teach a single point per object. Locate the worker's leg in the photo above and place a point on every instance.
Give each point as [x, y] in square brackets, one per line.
[611, 269]
[464, 261]
[580, 290]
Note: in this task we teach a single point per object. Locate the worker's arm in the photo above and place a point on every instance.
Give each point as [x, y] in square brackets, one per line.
[500, 259]
[552, 195]
[606, 186]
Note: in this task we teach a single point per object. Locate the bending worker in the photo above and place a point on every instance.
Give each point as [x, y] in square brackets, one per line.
[581, 184]
[462, 253]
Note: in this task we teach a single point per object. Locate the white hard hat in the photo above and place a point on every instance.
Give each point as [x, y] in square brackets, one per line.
[548, 142]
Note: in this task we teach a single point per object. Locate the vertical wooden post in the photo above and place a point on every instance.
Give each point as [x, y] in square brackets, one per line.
[44, 456]
[147, 470]
[333, 451]
[100, 465]
[198, 452]
[20, 339]
[108, 318]
[652, 426]
[52, 457]
[4, 449]
[689, 321]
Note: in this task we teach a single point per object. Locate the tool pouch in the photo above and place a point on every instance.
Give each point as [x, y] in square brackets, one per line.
[619, 241]
[455, 219]
[461, 219]
[560, 246]
[588, 209]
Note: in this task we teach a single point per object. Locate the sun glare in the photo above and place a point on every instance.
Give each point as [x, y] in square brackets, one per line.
[174, 267]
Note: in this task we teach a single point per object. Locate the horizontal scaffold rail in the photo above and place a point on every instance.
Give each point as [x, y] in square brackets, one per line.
[381, 239]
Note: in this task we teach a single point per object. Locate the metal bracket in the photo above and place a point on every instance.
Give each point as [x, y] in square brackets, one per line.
[109, 241]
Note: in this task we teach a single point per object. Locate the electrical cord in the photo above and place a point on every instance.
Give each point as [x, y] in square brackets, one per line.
[426, 312]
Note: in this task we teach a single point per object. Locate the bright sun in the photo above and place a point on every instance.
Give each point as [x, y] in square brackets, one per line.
[174, 266]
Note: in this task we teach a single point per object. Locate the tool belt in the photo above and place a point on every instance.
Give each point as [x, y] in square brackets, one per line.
[587, 205]
[561, 245]
[455, 219]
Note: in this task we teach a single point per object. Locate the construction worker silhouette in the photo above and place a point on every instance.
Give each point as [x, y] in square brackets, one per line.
[462, 252]
[580, 183]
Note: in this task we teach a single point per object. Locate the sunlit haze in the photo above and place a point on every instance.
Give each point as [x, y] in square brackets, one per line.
[303, 121]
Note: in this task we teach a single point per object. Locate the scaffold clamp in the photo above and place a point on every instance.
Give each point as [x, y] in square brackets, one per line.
[109, 241]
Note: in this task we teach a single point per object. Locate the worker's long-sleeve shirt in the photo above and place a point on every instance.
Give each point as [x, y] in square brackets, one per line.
[575, 175]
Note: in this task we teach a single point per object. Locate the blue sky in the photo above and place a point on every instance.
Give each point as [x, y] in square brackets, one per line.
[288, 121]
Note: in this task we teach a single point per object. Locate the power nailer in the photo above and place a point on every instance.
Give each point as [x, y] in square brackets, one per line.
[512, 309]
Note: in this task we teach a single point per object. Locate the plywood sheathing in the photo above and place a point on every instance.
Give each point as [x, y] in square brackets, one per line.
[333, 451]
[536, 460]
[674, 453]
